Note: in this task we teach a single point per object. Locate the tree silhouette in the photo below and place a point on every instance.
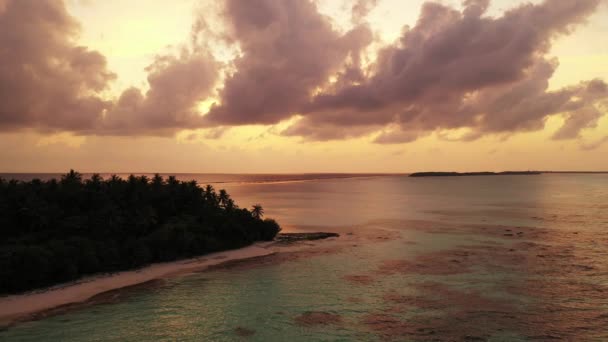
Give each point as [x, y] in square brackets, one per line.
[56, 231]
[71, 177]
[157, 180]
[225, 201]
[96, 179]
[257, 211]
[210, 195]
[172, 181]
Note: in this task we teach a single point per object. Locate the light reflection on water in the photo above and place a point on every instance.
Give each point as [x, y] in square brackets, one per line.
[445, 280]
[532, 200]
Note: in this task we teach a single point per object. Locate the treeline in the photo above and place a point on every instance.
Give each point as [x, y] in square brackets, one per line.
[58, 230]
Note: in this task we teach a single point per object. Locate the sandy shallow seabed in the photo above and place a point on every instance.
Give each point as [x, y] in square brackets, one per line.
[39, 303]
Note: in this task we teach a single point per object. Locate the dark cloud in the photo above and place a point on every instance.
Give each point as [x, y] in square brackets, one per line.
[453, 69]
[457, 69]
[524, 105]
[47, 82]
[288, 50]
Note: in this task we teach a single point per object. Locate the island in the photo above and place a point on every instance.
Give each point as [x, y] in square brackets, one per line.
[485, 173]
[60, 230]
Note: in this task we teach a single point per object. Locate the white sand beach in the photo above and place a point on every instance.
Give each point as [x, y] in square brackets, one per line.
[16, 307]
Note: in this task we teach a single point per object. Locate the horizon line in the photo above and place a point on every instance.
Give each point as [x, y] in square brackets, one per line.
[293, 173]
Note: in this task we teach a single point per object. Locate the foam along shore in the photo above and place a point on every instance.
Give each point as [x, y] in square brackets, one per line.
[14, 308]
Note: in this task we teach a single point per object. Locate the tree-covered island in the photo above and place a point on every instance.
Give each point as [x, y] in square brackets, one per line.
[464, 174]
[59, 230]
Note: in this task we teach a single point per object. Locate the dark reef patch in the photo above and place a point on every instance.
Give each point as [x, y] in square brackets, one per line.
[359, 279]
[244, 332]
[552, 284]
[286, 238]
[314, 318]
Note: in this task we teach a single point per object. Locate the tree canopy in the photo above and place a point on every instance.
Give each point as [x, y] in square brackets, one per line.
[58, 230]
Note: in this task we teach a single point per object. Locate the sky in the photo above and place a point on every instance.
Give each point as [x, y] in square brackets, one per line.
[269, 86]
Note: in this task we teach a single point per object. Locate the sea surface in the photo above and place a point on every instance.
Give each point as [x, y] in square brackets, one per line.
[486, 258]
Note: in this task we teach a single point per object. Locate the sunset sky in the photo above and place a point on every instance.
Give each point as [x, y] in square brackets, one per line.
[248, 86]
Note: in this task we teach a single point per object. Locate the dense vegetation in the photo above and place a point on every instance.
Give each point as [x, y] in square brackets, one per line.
[58, 230]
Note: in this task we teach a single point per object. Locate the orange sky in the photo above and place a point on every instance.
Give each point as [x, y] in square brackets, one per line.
[130, 35]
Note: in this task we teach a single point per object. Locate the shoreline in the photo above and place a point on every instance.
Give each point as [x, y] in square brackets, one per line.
[18, 307]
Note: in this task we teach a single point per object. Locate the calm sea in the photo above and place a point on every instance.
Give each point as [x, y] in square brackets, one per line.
[499, 258]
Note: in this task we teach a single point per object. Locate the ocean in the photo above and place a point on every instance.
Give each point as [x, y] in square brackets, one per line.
[482, 258]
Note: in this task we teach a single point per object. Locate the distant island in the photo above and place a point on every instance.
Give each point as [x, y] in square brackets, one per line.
[59, 230]
[460, 174]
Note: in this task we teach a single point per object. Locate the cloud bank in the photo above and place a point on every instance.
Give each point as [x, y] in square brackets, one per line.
[47, 81]
[460, 69]
[454, 69]
[288, 50]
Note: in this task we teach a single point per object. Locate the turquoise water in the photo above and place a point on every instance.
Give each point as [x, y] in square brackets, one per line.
[477, 258]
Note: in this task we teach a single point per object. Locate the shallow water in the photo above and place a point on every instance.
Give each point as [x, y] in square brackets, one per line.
[470, 258]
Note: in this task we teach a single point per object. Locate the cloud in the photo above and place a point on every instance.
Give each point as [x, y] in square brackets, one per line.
[524, 105]
[215, 133]
[360, 9]
[586, 115]
[454, 69]
[177, 85]
[288, 50]
[312, 132]
[595, 144]
[47, 81]
[457, 69]
[3, 5]
[397, 136]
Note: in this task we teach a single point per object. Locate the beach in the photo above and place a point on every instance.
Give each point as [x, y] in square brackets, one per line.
[45, 302]
[14, 308]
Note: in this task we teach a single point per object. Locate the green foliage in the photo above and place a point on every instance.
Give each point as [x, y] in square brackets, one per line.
[56, 231]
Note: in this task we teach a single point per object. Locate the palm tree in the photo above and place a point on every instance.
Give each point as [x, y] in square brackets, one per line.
[132, 180]
[96, 178]
[257, 211]
[209, 189]
[143, 179]
[157, 180]
[210, 195]
[172, 181]
[95, 182]
[223, 198]
[71, 177]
